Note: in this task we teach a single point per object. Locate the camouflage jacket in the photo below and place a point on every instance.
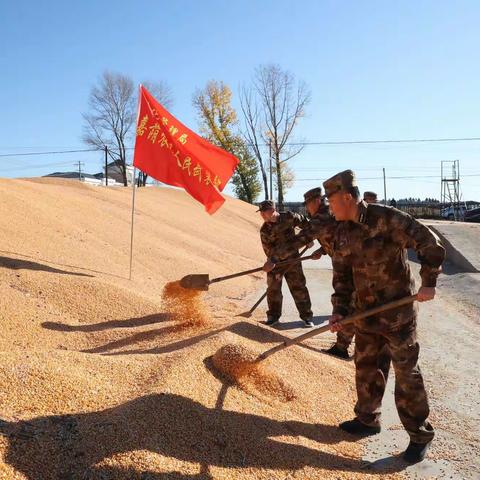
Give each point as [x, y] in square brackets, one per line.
[370, 264]
[322, 227]
[277, 238]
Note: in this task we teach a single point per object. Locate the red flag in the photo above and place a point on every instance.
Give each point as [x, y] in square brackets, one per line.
[168, 151]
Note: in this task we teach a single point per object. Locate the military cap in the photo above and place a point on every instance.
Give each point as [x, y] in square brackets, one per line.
[370, 196]
[266, 205]
[341, 181]
[311, 194]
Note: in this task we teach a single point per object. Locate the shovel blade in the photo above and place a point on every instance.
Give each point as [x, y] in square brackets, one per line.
[245, 314]
[199, 281]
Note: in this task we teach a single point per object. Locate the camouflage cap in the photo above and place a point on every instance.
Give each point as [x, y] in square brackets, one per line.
[370, 196]
[311, 194]
[341, 181]
[266, 205]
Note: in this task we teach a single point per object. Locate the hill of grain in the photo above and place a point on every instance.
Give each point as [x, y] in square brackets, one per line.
[106, 378]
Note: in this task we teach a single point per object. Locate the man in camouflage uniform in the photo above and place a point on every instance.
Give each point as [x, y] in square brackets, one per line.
[345, 336]
[370, 265]
[370, 197]
[322, 227]
[276, 235]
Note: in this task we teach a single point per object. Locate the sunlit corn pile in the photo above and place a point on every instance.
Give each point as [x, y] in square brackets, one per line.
[152, 407]
[238, 364]
[184, 305]
[235, 361]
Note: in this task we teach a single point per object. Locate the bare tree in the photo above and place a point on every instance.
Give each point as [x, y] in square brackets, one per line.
[252, 131]
[273, 107]
[161, 91]
[111, 119]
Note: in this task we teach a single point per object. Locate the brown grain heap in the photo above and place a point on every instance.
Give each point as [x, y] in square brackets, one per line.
[105, 378]
[235, 361]
[184, 306]
[239, 365]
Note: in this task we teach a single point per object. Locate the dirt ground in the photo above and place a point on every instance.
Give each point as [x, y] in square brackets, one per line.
[449, 335]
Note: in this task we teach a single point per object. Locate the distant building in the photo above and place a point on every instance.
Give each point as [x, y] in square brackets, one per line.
[83, 177]
[115, 177]
[115, 173]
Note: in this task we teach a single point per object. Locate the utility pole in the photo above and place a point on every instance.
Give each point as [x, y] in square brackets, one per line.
[271, 172]
[80, 170]
[106, 166]
[384, 188]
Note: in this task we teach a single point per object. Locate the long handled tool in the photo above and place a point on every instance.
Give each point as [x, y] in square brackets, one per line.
[202, 281]
[249, 313]
[343, 321]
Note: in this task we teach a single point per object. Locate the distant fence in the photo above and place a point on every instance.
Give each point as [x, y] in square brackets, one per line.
[298, 207]
[422, 210]
[416, 209]
[431, 210]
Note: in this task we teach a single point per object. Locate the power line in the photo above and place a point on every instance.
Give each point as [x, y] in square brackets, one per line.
[366, 142]
[38, 147]
[28, 167]
[339, 142]
[410, 140]
[313, 170]
[406, 177]
[48, 153]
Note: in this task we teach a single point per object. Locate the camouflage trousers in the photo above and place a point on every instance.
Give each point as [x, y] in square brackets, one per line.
[373, 352]
[297, 285]
[345, 336]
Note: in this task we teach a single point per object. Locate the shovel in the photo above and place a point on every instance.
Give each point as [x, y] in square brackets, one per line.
[344, 321]
[249, 313]
[202, 281]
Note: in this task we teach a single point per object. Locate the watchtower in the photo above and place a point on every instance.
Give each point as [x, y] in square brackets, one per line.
[450, 194]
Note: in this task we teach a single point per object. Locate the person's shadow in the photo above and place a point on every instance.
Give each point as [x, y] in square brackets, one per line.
[71, 446]
[98, 327]
[296, 324]
[18, 264]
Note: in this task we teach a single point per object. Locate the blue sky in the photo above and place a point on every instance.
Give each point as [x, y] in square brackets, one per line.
[376, 69]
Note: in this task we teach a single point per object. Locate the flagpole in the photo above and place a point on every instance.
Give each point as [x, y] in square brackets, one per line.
[133, 216]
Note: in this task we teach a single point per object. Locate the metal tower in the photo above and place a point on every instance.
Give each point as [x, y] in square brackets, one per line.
[450, 194]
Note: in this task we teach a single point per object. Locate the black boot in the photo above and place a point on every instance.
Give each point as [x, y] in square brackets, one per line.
[415, 452]
[308, 323]
[337, 351]
[271, 321]
[356, 427]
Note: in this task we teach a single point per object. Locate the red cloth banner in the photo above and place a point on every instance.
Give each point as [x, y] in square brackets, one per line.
[168, 151]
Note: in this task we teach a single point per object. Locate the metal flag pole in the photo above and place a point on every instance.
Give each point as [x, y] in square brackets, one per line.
[133, 216]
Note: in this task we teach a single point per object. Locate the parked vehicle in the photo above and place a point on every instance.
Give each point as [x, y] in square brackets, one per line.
[453, 212]
[472, 215]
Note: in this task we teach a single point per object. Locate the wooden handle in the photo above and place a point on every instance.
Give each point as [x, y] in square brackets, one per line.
[235, 275]
[292, 261]
[343, 321]
[259, 269]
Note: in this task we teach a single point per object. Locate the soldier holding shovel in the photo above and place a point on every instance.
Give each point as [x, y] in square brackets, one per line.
[322, 227]
[370, 268]
[276, 234]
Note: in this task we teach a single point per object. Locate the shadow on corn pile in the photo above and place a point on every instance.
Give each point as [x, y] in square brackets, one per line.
[72, 446]
[245, 329]
[19, 264]
[102, 326]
